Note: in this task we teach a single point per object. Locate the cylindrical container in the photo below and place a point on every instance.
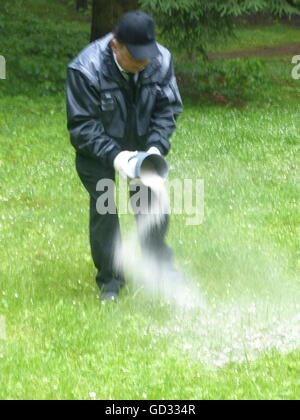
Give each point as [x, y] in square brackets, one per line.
[146, 165]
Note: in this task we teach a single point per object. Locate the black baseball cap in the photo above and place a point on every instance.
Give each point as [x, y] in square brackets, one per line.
[136, 30]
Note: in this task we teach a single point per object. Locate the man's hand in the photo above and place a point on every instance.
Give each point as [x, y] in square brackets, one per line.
[154, 151]
[121, 164]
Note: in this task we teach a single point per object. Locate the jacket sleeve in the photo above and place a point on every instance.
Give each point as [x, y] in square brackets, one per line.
[168, 106]
[87, 133]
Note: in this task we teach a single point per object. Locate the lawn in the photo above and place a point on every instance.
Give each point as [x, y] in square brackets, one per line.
[254, 37]
[241, 341]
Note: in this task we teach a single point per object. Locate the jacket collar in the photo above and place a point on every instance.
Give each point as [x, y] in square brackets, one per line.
[111, 72]
[109, 67]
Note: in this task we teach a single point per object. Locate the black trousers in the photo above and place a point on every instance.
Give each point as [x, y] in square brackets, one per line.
[104, 229]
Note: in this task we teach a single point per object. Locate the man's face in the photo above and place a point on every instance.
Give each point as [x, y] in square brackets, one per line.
[125, 59]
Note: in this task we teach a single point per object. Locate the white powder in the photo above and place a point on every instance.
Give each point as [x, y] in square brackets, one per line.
[214, 331]
[156, 278]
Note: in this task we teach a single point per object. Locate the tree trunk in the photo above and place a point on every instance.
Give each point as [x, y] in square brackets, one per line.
[106, 14]
[81, 4]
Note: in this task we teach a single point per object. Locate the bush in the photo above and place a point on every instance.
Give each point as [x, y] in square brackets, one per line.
[37, 51]
[228, 81]
[191, 25]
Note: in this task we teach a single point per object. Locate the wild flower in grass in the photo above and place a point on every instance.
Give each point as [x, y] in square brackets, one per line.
[93, 396]
[187, 347]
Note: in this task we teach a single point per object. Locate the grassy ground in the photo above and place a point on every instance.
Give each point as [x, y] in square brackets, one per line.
[260, 36]
[61, 343]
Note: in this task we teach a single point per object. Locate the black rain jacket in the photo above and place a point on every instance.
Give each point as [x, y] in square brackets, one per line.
[105, 118]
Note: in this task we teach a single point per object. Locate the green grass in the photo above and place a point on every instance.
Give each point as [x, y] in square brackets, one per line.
[62, 344]
[247, 38]
[58, 10]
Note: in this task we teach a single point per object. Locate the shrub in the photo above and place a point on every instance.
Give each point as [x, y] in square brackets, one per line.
[227, 81]
[37, 51]
[190, 25]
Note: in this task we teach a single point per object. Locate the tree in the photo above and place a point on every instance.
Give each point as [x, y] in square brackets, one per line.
[81, 5]
[189, 25]
[295, 3]
[105, 15]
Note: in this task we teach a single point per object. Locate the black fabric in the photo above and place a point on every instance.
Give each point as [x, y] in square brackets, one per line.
[132, 87]
[133, 141]
[102, 121]
[103, 229]
[87, 130]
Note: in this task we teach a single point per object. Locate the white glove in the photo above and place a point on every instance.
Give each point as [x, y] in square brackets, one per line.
[121, 164]
[154, 151]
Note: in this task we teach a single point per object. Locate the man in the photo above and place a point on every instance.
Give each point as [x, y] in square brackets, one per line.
[122, 97]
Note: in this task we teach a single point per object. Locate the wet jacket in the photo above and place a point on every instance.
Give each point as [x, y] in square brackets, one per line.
[106, 117]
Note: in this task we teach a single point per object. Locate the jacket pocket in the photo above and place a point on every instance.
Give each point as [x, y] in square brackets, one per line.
[112, 114]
